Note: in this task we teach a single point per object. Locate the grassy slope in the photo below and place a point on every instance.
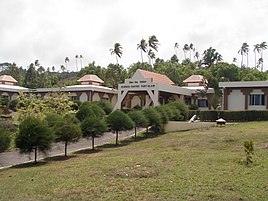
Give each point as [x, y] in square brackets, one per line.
[192, 165]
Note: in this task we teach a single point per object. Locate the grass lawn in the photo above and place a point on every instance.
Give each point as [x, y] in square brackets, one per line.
[205, 164]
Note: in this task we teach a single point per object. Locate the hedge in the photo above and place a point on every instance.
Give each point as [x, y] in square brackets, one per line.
[231, 116]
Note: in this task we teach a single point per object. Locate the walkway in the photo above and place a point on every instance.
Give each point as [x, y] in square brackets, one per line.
[13, 157]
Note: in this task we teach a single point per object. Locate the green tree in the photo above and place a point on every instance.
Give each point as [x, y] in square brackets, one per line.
[115, 74]
[139, 119]
[210, 56]
[84, 112]
[4, 140]
[185, 49]
[67, 132]
[244, 51]
[105, 105]
[119, 121]
[34, 135]
[81, 60]
[263, 46]
[154, 119]
[143, 47]
[255, 50]
[117, 51]
[93, 127]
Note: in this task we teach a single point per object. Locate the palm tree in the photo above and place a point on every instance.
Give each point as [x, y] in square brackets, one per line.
[143, 47]
[263, 46]
[234, 60]
[117, 50]
[191, 48]
[260, 63]
[244, 51]
[76, 57]
[151, 55]
[62, 67]
[81, 57]
[256, 48]
[176, 46]
[67, 60]
[53, 68]
[185, 49]
[153, 42]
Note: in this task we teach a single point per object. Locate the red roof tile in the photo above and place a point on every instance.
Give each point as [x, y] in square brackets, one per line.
[156, 77]
[194, 78]
[7, 78]
[90, 78]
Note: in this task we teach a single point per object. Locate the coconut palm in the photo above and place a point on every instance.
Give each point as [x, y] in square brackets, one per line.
[176, 46]
[153, 42]
[191, 49]
[185, 49]
[260, 63]
[117, 50]
[143, 47]
[263, 46]
[67, 60]
[151, 55]
[196, 55]
[62, 67]
[81, 57]
[234, 60]
[256, 49]
[76, 57]
[244, 51]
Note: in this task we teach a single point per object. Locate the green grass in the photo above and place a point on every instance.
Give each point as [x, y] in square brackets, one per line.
[205, 164]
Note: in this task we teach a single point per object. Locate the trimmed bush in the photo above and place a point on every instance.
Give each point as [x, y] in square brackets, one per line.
[154, 119]
[182, 107]
[231, 116]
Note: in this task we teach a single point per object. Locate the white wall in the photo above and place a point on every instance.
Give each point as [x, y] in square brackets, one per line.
[236, 100]
[83, 97]
[96, 97]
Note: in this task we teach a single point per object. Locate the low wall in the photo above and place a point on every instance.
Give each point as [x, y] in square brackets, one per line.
[184, 126]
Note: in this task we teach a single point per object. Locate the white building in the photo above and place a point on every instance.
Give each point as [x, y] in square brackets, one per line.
[146, 89]
[248, 95]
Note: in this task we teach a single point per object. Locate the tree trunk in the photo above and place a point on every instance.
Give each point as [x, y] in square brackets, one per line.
[141, 57]
[135, 133]
[35, 154]
[66, 148]
[93, 142]
[116, 137]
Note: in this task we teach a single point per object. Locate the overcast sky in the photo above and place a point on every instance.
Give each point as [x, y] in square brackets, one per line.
[50, 30]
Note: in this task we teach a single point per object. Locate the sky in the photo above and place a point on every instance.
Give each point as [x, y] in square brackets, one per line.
[51, 30]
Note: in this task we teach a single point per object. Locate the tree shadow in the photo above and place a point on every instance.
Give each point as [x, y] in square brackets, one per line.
[30, 164]
[88, 151]
[59, 158]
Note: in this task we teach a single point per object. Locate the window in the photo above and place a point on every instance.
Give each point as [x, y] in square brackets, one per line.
[202, 103]
[74, 98]
[256, 99]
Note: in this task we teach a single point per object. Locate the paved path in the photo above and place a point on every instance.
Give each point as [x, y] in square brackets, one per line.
[11, 158]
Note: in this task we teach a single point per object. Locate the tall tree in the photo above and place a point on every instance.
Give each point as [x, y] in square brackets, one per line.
[139, 119]
[255, 50]
[244, 51]
[151, 56]
[143, 47]
[191, 49]
[185, 49]
[81, 62]
[176, 47]
[153, 42]
[76, 58]
[67, 60]
[263, 46]
[117, 51]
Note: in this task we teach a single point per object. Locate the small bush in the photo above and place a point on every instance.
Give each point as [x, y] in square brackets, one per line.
[13, 104]
[249, 151]
[4, 141]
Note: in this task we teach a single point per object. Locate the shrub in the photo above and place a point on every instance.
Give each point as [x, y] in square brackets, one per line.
[182, 107]
[12, 105]
[154, 119]
[249, 151]
[4, 141]
[34, 135]
[105, 105]
[119, 121]
[84, 112]
[193, 107]
[139, 119]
